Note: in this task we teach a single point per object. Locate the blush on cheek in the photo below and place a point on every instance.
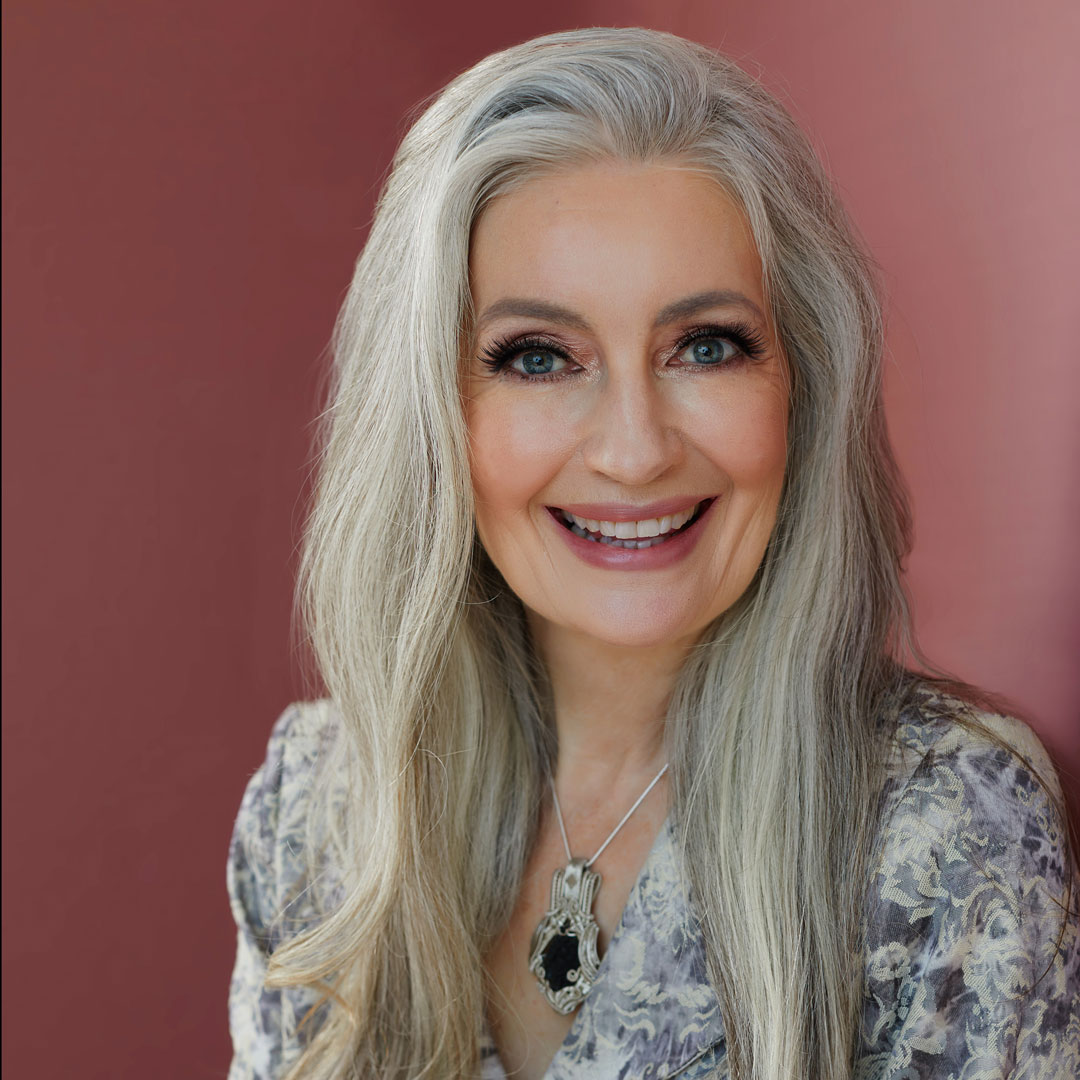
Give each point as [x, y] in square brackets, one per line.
[516, 452]
[503, 475]
[765, 459]
[512, 463]
[755, 443]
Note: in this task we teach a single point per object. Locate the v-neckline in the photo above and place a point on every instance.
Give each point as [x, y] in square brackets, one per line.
[652, 1010]
[632, 900]
[652, 1006]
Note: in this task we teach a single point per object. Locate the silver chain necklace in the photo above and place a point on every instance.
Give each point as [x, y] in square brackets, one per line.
[564, 955]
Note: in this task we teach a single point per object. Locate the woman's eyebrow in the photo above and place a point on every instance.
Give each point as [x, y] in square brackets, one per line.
[680, 309]
[693, 305]
[533, 309]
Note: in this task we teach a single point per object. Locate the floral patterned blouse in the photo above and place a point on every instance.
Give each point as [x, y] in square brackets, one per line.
[972, 969]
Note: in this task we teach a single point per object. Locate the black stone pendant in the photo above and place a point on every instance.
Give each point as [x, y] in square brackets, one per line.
[564, 956]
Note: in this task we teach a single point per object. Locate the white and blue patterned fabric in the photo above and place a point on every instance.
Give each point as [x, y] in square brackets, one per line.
[972, 967]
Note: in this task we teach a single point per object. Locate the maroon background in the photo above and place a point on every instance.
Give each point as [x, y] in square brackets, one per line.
[187, 185]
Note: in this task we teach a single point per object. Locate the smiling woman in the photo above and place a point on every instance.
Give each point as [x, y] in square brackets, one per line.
[628, 386]
[624, 769]
[627, 412]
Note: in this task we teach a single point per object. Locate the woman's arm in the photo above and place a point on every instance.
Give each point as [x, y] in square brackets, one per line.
[263, 863]
[973, 961]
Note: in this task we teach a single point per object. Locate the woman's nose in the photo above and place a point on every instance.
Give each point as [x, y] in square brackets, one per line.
[632, 437]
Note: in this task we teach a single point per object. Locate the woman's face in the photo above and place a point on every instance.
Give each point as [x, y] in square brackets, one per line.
[626, 400]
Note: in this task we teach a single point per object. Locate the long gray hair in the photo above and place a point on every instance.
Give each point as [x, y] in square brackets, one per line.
[446, 714]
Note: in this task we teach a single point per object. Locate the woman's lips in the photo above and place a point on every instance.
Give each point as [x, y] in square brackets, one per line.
[609, 552]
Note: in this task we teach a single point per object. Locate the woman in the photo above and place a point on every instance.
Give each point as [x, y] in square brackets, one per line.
[607, 522]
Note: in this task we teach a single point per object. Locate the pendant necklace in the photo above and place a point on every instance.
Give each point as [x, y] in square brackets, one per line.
[564, 955]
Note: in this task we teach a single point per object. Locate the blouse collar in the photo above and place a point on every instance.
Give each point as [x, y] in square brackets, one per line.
[652, 1011]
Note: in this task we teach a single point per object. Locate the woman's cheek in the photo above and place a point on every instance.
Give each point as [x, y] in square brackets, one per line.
[514, 457]
[517, 449]
[746, 435]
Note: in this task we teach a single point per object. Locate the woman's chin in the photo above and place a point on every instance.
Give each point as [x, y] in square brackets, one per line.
[644, 640]
[633, 627]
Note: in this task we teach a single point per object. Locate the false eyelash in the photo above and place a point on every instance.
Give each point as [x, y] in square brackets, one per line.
[501, 351]
[749, 341]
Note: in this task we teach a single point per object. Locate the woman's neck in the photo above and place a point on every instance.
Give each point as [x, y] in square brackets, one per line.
[610, 705]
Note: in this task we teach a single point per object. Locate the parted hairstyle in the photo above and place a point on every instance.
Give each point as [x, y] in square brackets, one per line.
[446, 715]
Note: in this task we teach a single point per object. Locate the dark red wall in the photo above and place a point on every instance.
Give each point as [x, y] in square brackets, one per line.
[187, 185]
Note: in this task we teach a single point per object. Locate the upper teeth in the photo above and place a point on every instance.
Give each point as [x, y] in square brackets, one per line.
[629, 530]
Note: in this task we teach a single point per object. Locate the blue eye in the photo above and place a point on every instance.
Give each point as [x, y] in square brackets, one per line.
[725, 345]
[711, 351]
[537, 362]
[528, 359]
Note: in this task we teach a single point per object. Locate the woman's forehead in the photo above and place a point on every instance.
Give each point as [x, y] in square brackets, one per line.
[607, 236]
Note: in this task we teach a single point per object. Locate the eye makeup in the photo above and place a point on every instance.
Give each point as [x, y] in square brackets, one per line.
[749, 342]
[498, 356]
[749, 345]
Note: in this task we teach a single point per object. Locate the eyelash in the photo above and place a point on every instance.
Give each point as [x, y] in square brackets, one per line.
[498, 355]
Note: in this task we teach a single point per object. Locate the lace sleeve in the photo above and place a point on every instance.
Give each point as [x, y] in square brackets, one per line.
[973, 962]
[263, 1021]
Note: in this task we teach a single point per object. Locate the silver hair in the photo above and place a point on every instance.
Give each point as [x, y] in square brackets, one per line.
[446, 711]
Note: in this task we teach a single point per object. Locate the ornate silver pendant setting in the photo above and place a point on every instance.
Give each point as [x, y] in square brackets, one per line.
[564, 956]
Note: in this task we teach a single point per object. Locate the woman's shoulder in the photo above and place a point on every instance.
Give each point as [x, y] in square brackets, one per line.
[299, 736]
[275, 801]
[966, 779]
[268, 863]
[960, 766]
[271, 893]
[935, 724]
[973, 947]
